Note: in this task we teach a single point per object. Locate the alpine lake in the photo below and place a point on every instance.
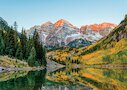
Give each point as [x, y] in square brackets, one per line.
[66, 78]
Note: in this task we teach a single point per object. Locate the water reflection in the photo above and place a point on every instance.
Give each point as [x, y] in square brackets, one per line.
[65, 79]
[32, 81]
[98, 79]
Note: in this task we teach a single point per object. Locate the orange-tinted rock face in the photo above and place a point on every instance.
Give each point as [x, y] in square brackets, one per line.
[62, 31]
[61, 22]
[98, 27]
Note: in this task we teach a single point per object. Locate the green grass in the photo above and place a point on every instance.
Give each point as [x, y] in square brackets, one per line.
[6, 61]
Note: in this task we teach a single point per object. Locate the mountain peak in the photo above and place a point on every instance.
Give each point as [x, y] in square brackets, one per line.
[62, 22]
[47, 23]
[108, 24]
[98, 27]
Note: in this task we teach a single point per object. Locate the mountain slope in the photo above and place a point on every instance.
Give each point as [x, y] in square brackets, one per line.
[120, 32]
[62, 29]
[97, 31]
[97, 27]
[63, 32]
[79, 43]
[111, 49]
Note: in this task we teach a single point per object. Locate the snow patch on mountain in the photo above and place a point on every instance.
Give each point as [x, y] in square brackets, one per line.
[63, 32]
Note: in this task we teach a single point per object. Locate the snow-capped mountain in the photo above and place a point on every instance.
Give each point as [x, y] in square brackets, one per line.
[63, 32]
[62, 29]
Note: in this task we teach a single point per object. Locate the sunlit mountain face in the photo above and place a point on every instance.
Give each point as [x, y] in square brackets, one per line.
[62, 22]
[110, 50]
[63, 45]
[103, 29]
[62, 33]
[98, 27]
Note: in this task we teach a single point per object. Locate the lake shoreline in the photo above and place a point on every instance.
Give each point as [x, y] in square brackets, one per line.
[50, 65]
[5, 69]
[108, 66]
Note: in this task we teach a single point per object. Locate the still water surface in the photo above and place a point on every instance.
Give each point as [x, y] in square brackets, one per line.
[65, 79]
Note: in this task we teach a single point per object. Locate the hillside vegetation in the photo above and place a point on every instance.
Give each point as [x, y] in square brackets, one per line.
[111, 49]
[18, 45]
[5, 61]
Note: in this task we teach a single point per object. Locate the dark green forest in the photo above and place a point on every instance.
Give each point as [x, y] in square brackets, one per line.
[18, 45]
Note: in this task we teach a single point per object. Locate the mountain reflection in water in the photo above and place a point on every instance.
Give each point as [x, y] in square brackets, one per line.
[65, 79]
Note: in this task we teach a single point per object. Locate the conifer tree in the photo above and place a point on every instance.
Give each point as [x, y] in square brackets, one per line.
[2, 45]
[19, 53]
[41, 57]
[10, 43]
[15, 44]
[44, 62]
[15, 26]
[32, 57]
[23, 40]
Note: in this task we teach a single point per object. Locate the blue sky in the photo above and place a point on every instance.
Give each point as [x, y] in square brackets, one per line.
[28, 13]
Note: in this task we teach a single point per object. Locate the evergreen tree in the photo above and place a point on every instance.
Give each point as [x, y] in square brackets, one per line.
[43, 62]
[2, 45]
[32, 57]
[18, 45]
[23, 40]
[37, 46]
[41, 57]
[19, 53]
[15, 26]
[29, 45]
[10, 43]
[15, 35]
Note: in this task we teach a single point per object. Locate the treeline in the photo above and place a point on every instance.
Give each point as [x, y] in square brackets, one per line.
[66, 61]
[15, 44]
